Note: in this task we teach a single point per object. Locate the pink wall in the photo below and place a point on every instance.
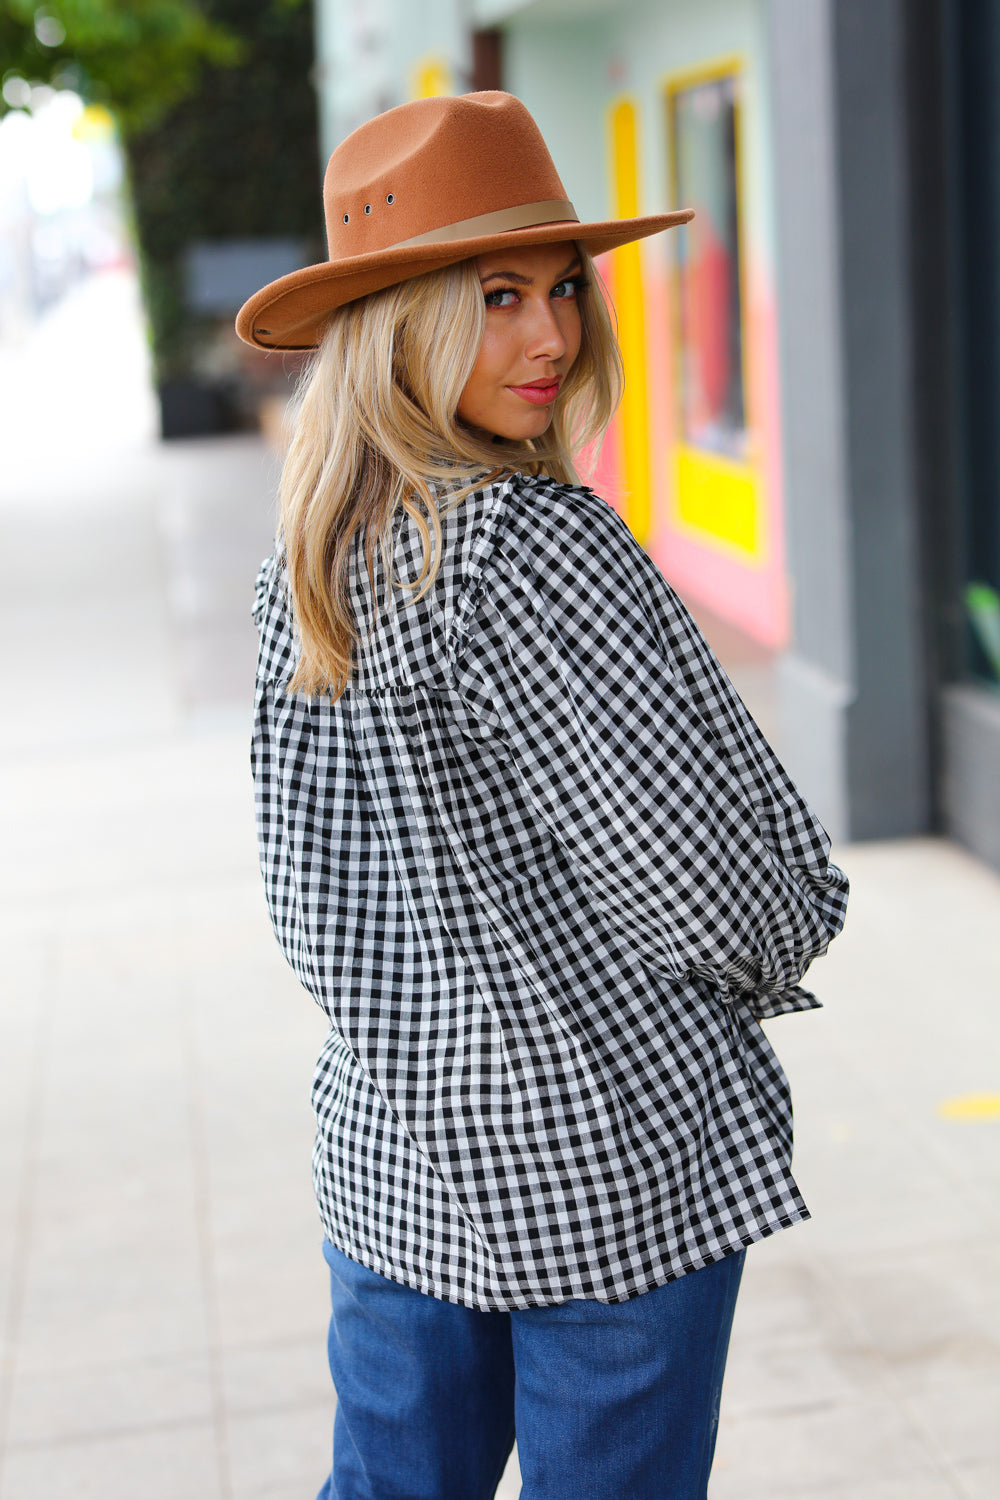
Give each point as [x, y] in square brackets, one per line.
[750, 593]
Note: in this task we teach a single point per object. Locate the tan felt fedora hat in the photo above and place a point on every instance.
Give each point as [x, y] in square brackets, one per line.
[423, 186]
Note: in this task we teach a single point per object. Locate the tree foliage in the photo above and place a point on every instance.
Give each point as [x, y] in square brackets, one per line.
[237, 158]
[140, 57]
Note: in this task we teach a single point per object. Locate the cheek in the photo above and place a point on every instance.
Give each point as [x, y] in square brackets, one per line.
[473, 387]
[487, 376]
[490, 361]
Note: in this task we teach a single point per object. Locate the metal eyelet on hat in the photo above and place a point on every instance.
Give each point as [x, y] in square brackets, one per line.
[347, 218]
[368, 208]
[390, 197]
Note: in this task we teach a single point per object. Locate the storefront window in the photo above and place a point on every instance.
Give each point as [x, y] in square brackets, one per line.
[703, 139]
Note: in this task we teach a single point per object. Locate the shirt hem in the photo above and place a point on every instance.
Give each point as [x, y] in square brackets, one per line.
[517, 1302]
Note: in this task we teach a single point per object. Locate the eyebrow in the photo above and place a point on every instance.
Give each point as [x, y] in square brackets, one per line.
[519, 280]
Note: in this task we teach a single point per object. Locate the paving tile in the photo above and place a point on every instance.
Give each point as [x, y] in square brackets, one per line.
[978, 1481]
[926, 1487]
[170, 1463]
[105, 1195]
[972, 1146]
[297, 1491]
[913, 1487]
[108, 1400]
[272, 1185]
[786, 1377]
[134, 1303]
[154, 817]
[273, 1449]
[301, 1490]
[784, 1294]
[274, 1376]
[795, 1451]
[962, 1420]
[263, 1295]
[20, 1090]
[933, 1317]
[883, 1193]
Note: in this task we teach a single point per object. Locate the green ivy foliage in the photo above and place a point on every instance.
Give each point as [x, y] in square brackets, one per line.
[238, 158]
[139, 57]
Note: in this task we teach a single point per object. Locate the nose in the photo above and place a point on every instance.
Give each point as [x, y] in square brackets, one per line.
[545, 339]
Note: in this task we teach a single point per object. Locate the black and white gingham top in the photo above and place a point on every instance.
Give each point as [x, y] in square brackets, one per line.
[543, 873]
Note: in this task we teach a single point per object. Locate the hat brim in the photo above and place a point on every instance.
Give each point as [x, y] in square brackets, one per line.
[290, 313]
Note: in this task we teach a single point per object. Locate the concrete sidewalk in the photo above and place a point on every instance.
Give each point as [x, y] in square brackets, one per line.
[163, 1296]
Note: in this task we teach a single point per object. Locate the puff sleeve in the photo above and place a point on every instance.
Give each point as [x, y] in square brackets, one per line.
[638, 756]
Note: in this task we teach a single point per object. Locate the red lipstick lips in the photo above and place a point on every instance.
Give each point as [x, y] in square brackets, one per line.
[539, 392]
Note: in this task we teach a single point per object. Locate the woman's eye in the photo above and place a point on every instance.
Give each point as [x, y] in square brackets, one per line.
[497, 297]
[568, 288]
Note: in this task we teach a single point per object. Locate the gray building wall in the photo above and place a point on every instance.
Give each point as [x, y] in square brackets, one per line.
[852, 691]
[888, 715]
[816, 677]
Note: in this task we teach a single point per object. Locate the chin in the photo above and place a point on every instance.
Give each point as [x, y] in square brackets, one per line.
[518, 430]
[522, 431]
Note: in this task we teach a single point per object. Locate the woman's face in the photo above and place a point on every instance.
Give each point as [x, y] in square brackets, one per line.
[531, 339]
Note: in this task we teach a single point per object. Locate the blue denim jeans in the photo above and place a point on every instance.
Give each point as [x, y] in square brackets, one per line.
[610, 1402]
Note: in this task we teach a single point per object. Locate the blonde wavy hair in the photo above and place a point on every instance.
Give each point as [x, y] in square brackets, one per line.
[376, 430]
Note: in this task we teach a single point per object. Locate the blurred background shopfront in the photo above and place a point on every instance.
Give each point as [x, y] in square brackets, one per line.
[809, 444]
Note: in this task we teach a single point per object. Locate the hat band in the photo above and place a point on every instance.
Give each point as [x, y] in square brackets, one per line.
[525, 216]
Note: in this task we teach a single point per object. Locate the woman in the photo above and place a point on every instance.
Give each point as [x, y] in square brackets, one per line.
[522, 843]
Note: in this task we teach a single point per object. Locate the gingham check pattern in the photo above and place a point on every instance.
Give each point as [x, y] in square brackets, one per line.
[543, 873]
